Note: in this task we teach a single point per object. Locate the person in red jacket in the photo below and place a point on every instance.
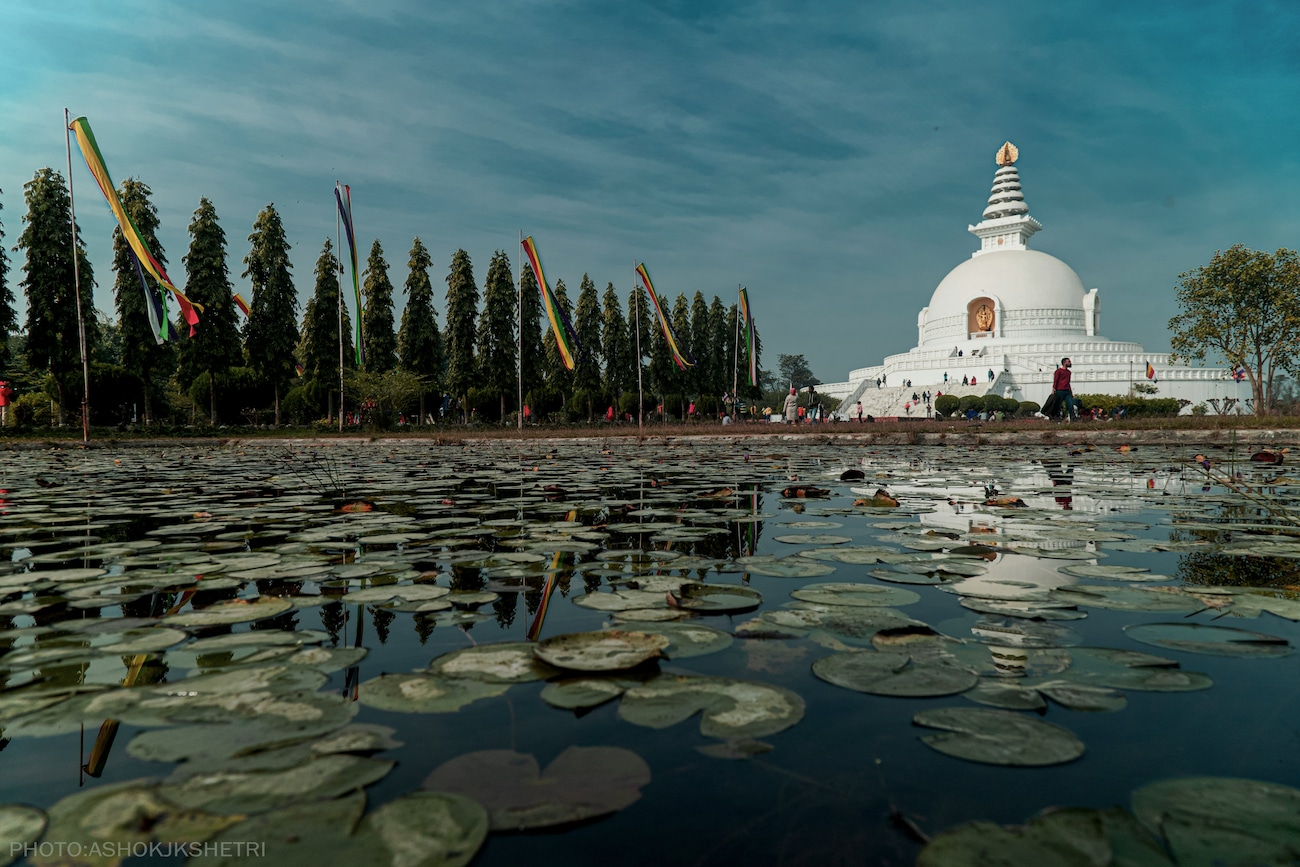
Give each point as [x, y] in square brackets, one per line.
[1061, 388]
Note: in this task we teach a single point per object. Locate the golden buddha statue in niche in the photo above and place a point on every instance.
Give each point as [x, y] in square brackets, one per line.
[984, 318]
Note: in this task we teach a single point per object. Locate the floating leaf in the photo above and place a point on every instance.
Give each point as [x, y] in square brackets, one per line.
[894, 673]
[785, 567]
[717, 598]
[731, 708]
[19, 825]
[1222, 820]
[231, 611]
[1072, 837]
[610, 650]
[259, 791]
[685, 639]
[855, 595]
[1127, 598]
[998, 737]
[427, 829]
[424, 693]
[507, 662]
[1213, 640]
[581, 783]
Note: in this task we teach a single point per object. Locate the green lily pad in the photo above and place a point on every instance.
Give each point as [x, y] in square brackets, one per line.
[785, 567]
[300, 835]
[855, 595]
[685, 639]
[407, 593]
[19, 825]
[853, 555]
[582, 782]
[427, 829]
[609, 650]
[1055, 610]
[584, 692]
[1127, 598]
[418, 692]
[843, 622]
[717, 598]
[732, 709]
[1252, 603]
[896, 577]
[260, 791]
[812, 539]
[1222, 820]
[1129, 669]
[1006, 693]
[1112, 573]
[998, 737]
[231, 611]
[890, 673]
[623, 600]
[1213, 640]
[507, 662]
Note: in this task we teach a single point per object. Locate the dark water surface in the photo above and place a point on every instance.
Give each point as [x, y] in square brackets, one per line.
[834, 787]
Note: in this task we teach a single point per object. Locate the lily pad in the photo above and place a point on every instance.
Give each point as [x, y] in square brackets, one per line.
[717, 598]
[1212, 640]
[732, 709]
[582, 782]
[508, 662]
[998, 737]
[260, 791]
[1223, 820]
[785, 567]
[19, 825]
[855, 595]
[231, 611]
[686, 640]
[610, 650]
[890, 673]
[425, 693]
[1127, 598]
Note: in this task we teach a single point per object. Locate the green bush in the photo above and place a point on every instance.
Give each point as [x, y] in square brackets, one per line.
[993, 403]
[971, 401]
[946, 404]
[1200, 409]
[1028, 408]
[30, 410]
[1134, 406]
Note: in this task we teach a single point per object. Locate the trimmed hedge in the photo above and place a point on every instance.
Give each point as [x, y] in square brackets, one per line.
[1134, 406]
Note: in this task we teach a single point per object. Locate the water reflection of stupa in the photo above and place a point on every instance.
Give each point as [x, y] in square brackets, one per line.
[1005, 317]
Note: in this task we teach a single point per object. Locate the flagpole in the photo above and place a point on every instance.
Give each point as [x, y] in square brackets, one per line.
[735, 356]
[640, 398]
[338, 241]
[76, 284]
[519, 343]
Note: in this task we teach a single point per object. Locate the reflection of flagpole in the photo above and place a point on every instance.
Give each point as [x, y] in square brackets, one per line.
[519, 344]
[338, 243]
[640, 399]
[735, 357]
[76, 284]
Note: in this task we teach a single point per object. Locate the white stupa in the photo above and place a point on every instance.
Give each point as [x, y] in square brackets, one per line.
[1005, 317]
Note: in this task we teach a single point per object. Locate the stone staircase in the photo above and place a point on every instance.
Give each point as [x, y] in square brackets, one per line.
[890, 401]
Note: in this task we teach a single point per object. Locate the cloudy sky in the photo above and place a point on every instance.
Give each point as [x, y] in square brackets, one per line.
[828, 155]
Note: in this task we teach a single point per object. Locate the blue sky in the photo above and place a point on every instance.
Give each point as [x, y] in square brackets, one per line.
[828, 155]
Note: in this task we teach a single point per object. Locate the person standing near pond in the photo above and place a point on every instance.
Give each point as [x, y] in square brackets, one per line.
[1061, 388]
[791, 410]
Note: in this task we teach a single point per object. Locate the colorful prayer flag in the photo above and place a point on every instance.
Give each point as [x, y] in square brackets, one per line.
[1239, 374]
[566, 338]
[682, 359]
[343, 195]
[1151, 373]
[95, 162]
[242, 305]
[747, 327]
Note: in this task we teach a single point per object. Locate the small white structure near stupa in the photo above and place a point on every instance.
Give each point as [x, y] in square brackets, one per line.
[1004, 319]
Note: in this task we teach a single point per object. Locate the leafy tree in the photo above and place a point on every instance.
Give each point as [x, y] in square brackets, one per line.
[53, 339]
[271, 336]
[419, 342]
[559, 379]
[496, 332]
[531, 354]
[462, 308]
[721, 348]
[8, 316]
[377, 320]
[1245, 307]
[614, 347]
[642, 326]
[586, 373]
[214, 348]
[795, 371]
[324, 340]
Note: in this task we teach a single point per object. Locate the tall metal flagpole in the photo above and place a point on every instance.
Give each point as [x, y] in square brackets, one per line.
[735, 359]
[76, 285]
[338, 242]
[640, 398]
[519, 344]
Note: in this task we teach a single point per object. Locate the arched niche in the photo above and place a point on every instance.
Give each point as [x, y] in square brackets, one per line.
[982, 317]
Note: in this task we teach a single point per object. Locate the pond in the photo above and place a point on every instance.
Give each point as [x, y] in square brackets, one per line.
[708, 652]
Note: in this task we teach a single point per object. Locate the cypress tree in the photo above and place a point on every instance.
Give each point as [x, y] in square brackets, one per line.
[496, 331]
[318, 349]
[271, 337]
[462, 308]
[586, 373]
[53, 340]
[419, 342]
[642, 326]
[557, 377]
[8, 316]
[707, 359]
[721, 348]
[614, 348]
[214, 348]
[377, 320]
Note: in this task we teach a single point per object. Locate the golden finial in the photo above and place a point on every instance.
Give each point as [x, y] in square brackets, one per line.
[1008, 154]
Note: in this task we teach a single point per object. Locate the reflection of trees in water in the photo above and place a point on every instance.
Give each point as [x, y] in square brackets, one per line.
[381, 618]
[467, 578]
[504, 607]
[423, 627]
[1210, 566]
[332, 618]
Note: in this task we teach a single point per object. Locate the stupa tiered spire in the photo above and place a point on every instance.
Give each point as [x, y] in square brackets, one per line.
[1006, 224]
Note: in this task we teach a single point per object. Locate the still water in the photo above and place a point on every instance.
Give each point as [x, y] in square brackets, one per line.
[986, 573]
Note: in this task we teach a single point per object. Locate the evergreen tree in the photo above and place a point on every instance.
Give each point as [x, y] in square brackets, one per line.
[559, 379]
[419, 342]
[531, 354]
[496, 332]
[144, 359]
[462, 308]
[642, 326]
[683, 377]
[613, 346]
[214, 348]
[8, 316]
[721, 349]
[53, 340]
[319, 349]
[271, 336]
[707, 359]
[586, 373]
[377, 320]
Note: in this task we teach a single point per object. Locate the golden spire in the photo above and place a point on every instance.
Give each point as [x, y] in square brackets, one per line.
[1007, 154]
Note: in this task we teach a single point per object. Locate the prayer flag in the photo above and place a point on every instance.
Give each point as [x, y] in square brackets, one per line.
[1151, 373]
[343, 195]
[747, 326]
[682, 359]
[242, 304]
[566, 338]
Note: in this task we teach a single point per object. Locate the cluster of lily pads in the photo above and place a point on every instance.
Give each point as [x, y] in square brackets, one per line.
[167, 591]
